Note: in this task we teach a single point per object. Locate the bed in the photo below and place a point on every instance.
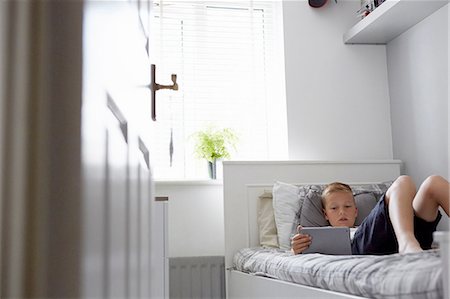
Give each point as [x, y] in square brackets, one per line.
[244, 182]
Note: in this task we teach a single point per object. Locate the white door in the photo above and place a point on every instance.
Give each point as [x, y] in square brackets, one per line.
[116, 130]
[76, 203]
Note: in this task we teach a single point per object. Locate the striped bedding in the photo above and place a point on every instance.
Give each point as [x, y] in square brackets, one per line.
[415, 275]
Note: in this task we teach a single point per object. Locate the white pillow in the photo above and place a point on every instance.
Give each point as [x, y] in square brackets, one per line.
[286, 203]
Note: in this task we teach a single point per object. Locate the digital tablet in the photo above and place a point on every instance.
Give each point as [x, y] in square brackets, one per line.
[328, 240]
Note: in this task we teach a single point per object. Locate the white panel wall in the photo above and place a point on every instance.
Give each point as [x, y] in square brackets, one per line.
[337, 95]
[196, 225]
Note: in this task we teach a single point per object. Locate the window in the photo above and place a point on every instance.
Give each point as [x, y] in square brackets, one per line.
[229, 65]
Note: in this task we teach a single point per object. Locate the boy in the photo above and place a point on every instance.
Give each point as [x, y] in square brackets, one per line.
[402, 221]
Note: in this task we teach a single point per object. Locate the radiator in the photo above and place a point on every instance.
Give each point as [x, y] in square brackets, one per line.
[197, 277]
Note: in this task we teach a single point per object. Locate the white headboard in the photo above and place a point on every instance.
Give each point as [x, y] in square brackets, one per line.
[244, 181]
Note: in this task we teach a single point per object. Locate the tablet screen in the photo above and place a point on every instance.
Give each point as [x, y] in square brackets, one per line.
[328, 240]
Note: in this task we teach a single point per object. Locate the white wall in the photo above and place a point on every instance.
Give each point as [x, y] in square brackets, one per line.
[418, 78]
[337, 94]
[418, 69]
[196, 226]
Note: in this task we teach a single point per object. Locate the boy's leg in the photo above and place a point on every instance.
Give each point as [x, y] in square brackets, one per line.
[399, 198]
[433, 192]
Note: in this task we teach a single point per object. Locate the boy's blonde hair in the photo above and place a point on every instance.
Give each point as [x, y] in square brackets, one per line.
[333, 188]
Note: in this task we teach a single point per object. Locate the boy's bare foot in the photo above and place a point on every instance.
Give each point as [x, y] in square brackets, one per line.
[411, 246]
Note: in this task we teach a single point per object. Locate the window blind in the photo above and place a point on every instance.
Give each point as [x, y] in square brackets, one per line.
[224, 55]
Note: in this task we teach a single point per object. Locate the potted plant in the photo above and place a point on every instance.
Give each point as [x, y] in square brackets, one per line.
[214, 144]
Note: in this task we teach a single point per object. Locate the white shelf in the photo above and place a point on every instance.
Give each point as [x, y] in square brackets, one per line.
[390, 19]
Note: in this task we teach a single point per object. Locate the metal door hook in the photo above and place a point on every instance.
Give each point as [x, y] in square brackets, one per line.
[155, 86]
[174, 86]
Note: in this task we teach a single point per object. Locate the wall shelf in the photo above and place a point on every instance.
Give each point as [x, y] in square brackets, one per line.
[390, 19]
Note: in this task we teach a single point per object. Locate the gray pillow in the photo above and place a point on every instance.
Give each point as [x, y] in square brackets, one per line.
[377, 189]
[365, 202]
[311, 214]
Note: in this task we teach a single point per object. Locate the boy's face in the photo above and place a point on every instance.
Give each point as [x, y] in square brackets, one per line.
[340, 209]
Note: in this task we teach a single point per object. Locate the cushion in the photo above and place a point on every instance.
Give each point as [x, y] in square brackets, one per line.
[365, 202]
[395, 276]
[286, 204]
[311, 214]
[266, 221]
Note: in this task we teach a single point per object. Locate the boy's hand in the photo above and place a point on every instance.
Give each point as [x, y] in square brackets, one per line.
[300, 242]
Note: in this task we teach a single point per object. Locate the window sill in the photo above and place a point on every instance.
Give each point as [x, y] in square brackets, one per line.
[200, 182]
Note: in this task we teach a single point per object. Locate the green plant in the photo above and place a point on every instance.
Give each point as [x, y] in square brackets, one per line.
[212, 144]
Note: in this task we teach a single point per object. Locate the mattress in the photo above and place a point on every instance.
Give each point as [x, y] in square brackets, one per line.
[416, 275]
